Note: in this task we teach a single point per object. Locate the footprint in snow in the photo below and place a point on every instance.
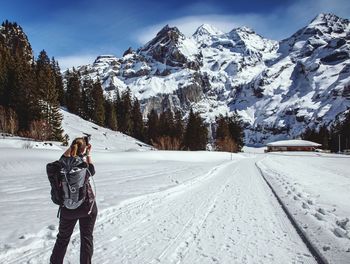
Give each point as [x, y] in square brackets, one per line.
[321, 211]
[305, 206]
[344, 223]
[310, 202]
[319, 216]
[339, 232]
[52, 227]
[326, 248]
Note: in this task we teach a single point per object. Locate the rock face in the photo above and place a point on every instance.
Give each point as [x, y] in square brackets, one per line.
[279, 88]
[170, 47]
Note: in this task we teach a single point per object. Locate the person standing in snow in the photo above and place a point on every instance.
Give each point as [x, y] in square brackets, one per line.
[86, 213]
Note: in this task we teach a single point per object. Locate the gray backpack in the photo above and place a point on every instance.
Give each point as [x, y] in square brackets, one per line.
[74, 181]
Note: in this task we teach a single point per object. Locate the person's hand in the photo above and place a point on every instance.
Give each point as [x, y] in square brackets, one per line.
[88, 149]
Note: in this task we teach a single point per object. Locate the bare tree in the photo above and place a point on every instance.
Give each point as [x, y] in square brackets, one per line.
[167, 143]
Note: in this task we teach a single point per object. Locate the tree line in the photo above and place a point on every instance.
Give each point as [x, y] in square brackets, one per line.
[29, 88]
[336, 138]
[171, 132]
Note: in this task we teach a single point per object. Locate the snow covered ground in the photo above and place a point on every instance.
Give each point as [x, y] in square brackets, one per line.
[316, 189]
[179, 207]
[155, 207]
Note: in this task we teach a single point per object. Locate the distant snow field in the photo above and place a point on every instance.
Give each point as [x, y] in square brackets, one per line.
[179, 207]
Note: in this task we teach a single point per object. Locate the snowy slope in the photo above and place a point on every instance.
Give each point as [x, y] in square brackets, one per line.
[178, 207]
[279, 88]
[102, 139]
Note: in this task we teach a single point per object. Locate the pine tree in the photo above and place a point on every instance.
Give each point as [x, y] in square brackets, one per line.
[322, 136]
[73, 93]
[27, 87]
[46, 83]
[236, 130]
[166, 123]
[170, 131]
[124, 113]
[340, 134]
[58, 81]
[56, 124]
[4, 64]
[152, 126]
[222, 130]
[117, 107]
[190, 132]
[21, 93]
[196, 133]
[48, 96]
[111, 117]
[98, 103]
[87, 102]
[137, 121]
[178, 130]
[346, 131]
[226, 138]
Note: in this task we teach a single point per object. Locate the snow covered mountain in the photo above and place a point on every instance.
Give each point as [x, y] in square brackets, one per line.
[279, 88]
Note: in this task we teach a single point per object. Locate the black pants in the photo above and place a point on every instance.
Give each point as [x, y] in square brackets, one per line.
[66, 227]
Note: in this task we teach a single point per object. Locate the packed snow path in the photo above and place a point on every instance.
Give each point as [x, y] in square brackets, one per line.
[224, 215]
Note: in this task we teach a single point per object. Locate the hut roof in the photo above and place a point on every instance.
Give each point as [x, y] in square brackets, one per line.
[293, 143]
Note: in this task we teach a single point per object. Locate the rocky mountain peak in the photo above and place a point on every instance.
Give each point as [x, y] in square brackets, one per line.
[128, 51]
[103, 58]
[248, 42]
[169, 36]
[328, 18]
[172, 48]
[322, 30]
[242, 30]
[327, 24]
[206, 29]
[167, 30]
[205, 33]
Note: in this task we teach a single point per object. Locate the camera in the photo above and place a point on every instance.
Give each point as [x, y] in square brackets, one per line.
[87, 138]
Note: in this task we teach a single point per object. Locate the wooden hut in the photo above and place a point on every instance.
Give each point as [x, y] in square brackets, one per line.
[292, 145]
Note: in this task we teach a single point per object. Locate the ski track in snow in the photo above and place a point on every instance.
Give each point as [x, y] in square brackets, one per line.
[227, 215]
[316, 193]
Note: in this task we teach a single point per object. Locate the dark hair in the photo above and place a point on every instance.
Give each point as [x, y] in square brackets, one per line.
[87, 138]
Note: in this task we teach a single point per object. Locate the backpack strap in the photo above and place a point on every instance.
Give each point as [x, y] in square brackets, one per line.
[59, 212]
[71, 189]
[93, 202]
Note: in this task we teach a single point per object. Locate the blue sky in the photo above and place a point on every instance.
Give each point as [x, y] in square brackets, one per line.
[76, 31]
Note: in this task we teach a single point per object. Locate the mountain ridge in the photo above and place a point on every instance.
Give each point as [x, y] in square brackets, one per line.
[279, 88]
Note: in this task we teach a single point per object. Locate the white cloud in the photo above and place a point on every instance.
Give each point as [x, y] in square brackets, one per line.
[278, 24]
[67, 62]
[301, 9]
